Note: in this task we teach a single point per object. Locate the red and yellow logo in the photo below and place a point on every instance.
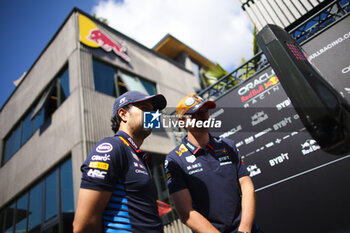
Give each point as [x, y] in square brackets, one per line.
[100, 165]
[92, 36]
[181, 150]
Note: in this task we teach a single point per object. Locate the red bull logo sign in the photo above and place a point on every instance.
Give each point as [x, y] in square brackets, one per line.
[92, 36]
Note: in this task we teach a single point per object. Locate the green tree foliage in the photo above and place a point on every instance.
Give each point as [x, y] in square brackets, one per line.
[101, 19]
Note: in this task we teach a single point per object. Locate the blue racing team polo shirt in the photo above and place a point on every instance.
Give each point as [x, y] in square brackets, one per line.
[116, 164]
[211, 175]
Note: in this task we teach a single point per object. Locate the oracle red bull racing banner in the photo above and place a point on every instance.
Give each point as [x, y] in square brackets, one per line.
[94, 37]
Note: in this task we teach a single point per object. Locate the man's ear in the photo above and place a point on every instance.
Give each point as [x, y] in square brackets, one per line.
[123, 114]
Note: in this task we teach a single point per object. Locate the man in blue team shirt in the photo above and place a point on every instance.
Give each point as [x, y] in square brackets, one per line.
[117, 193]
[209, 185]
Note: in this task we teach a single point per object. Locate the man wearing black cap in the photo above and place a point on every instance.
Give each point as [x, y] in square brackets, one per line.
[209, 185]
[117, 193]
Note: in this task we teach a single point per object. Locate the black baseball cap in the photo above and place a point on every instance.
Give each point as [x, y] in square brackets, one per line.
[158, 101]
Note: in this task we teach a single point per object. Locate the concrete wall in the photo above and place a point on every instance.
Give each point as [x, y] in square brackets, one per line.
[48, 146]
[84, 118]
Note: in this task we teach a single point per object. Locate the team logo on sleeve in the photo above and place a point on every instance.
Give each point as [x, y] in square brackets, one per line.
[104, 147]
[181, 150]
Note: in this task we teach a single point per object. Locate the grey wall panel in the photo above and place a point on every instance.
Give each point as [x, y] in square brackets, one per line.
[49, 145]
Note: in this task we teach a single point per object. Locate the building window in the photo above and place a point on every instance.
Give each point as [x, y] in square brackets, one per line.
[35, 207]
[25, 213]
[21, 214]
[67, 187]
[53, 96]
[9, 218]
[51, 196]
[114, 82]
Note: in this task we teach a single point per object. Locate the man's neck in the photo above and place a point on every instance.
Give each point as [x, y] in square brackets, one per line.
[199, 139]
[138, 141]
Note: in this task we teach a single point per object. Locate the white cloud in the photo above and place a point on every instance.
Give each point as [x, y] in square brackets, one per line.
[217, 29]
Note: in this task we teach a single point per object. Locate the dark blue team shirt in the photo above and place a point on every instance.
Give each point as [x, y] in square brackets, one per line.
[211, 174]
[116, 164]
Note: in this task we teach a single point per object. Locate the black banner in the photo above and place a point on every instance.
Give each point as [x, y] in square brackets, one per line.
[283, 159]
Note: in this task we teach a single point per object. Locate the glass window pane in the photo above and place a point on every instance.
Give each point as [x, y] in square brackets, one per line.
[44, 98]
[17, 138]
[51, 196]
[35, 206]
[21, 214]
[132, 83]
[9, 219]
[104, 78]
[38, 120]
[51, 103]
[8, 147]
[27, 128]
[67, 187]
[2, 214]
[64, 81]
[149, 86]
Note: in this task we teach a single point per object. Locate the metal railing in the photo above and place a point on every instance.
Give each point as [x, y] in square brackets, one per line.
[315, 24]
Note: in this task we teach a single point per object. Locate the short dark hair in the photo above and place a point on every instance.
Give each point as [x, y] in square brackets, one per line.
[117, 119]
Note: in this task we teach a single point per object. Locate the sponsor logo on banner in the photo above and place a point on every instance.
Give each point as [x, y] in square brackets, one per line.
[217, 113]
[283, 123]
[283, 104]
[191, 158]
[99, 165]
[309, 146]
[346, 70]
[249, 140]
[94, 173]
[231, 131]
[279, 159]
[330, 46]
[269, 144]
[257, 86]
[240, 143]
[254, 170]
[104, 148]
[265, 131]
[101, 158]
[259, 117]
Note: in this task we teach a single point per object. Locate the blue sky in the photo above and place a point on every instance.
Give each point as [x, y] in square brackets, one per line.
[28, 25]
